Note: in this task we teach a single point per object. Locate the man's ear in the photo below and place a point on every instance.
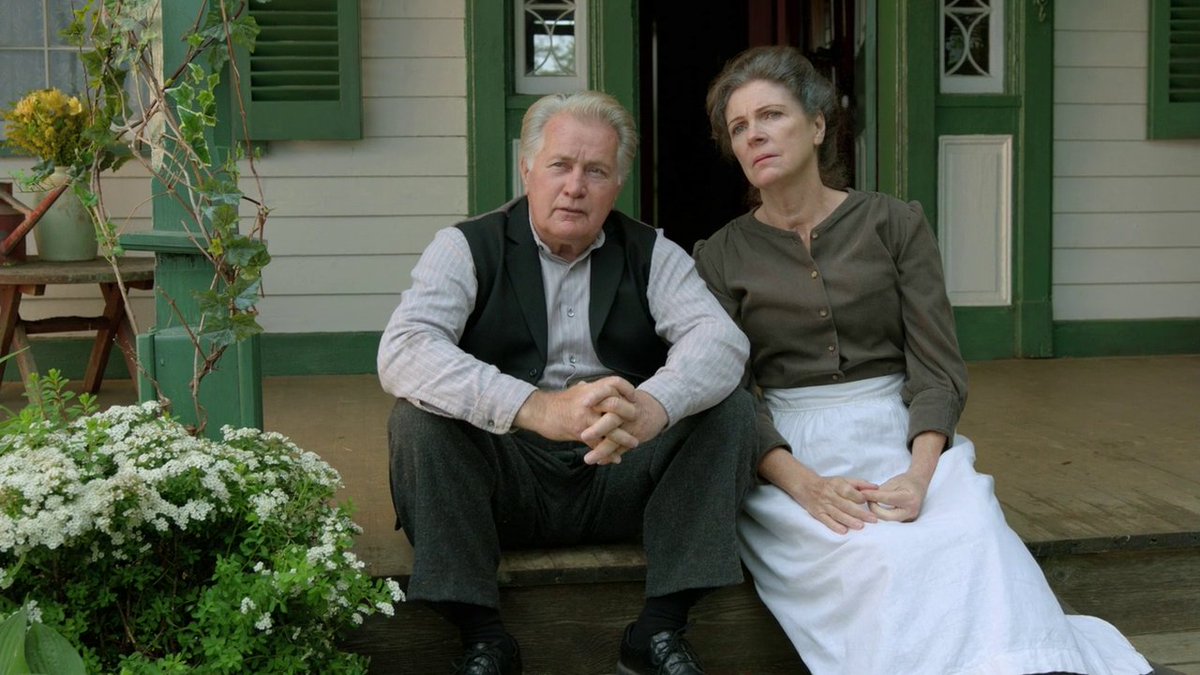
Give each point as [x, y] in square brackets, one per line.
[523, 169]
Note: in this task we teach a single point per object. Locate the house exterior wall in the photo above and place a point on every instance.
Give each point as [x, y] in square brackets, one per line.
[349, 218]
[1126, 209]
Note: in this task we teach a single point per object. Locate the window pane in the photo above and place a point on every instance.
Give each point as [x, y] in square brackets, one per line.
[24, 71]
[549, 39]
[21, 24]
[66, 71]
[61, 13]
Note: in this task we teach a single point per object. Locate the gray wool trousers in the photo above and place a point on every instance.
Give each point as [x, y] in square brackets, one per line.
[462, 495]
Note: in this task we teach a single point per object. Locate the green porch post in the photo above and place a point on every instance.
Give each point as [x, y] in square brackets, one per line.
[232, 393]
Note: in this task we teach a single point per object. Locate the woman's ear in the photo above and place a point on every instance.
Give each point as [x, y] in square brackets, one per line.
[819, 124]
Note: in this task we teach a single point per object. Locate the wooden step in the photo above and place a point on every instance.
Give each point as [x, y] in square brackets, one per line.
[569, 607]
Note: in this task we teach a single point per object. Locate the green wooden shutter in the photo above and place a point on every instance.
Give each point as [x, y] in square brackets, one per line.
[1174, 97]
[304, 81]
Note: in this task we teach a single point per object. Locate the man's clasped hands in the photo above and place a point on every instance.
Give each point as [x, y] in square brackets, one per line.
[609, 415]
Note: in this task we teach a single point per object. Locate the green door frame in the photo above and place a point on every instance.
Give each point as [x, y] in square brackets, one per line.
[907, 155]
[494, 112]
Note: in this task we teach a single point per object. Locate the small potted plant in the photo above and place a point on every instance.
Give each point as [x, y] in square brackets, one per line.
[49, 125]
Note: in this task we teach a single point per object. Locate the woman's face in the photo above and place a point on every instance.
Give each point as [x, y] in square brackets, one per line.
[772, 138]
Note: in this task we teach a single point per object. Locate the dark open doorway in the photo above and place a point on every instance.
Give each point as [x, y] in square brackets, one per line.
[687, 188]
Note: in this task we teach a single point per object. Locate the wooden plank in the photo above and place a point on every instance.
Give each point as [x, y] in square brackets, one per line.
[1114, 301]
[1126, 195]
[1120, 230]
[354, 235]
[1131, 265]
[1126, 158]
[402, 116]
[445, 76]
[1099, 85]
[565, 630]
[1101, 15]
[404, 156]
[386, 37]
[1101, 49]
[332, 313]
[318, 276]
[1138, 592]
[1104, 122]
[367, 196]
[1169, 648]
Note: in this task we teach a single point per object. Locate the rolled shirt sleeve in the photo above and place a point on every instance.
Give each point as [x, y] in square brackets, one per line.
[708, 351]
[419, 358]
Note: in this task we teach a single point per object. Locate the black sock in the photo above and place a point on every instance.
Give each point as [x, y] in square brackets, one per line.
[475, 623]
[665, 612]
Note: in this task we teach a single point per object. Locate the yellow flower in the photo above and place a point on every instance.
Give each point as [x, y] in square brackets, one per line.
[48, 124]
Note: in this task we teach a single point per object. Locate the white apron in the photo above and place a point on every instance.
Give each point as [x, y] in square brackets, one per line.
[954, 591]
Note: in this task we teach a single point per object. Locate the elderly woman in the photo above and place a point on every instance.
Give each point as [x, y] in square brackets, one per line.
[872, 540]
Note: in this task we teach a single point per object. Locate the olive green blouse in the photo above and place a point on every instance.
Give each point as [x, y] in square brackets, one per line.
[869, 300]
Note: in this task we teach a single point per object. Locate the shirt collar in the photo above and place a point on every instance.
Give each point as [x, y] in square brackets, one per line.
[545, 250]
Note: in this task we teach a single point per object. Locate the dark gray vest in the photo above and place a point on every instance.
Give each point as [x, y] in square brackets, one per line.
[507, 327]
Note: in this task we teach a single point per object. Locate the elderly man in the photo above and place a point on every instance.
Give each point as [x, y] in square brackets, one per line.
[564, 376]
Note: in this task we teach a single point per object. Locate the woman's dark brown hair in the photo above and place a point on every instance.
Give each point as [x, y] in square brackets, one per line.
[787, 67]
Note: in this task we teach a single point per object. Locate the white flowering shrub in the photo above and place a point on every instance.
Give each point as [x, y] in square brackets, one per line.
[154, 551]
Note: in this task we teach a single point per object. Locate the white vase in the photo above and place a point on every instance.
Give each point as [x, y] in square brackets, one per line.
[65, 233]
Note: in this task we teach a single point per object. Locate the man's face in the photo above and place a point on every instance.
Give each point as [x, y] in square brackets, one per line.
[572, 182]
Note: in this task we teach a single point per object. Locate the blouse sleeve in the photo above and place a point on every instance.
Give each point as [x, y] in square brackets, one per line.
[935, 388]
[711, 271]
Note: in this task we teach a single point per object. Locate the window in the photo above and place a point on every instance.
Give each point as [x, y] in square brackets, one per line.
[972, 54]
[32, 54]
[1174, 79]
[550, 46]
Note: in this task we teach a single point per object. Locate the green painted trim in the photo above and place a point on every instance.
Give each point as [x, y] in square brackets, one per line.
[319, 353]
[487, 85]
[1127, 338]
[614, 64]
[1034, 242]
[890, 102]
[281, 354]
[985, 333]
[920, 69]
[163, 241]
[978, 101]
[1166, 118]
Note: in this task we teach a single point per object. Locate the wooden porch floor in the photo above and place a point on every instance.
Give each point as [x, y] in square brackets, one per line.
[1087, 454]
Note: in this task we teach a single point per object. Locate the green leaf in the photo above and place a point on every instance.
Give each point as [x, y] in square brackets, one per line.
[12, 645]
[49, 652]
[248, 297]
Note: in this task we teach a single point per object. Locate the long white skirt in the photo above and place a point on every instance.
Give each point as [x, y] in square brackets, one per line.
[954, 591]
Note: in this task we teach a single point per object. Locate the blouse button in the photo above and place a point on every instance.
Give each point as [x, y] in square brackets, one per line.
[829, 348]
[824, 312]
[813, 274]
[837, 377]
[816, 235]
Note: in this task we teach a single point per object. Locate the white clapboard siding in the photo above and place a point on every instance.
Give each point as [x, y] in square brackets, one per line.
[372, 235]
[1127, 230]
[1126, 158]
[1126, 209]
[319, 275]
[1126, 301]
[349, 218]
[1113, 122]
[1125, 265]
[336, 313]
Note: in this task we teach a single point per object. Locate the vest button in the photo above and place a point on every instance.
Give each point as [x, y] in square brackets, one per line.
[533, 372]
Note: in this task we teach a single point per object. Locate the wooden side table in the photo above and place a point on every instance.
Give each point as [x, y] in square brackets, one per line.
[32, 277]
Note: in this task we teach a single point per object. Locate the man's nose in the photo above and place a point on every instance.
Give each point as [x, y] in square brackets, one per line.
[575, 185]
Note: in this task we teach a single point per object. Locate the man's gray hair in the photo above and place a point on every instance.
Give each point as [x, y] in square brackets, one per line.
[582, 105]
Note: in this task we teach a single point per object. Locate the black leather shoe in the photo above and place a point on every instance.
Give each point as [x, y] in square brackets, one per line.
[490, 658]
[669, 654]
